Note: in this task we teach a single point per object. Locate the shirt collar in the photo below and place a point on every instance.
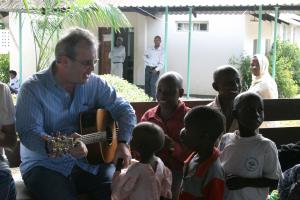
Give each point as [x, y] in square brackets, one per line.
[204, 166]
[180, 108]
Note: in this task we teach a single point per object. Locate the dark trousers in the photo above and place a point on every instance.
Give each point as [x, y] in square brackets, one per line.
[151, 77]
[7, 186]
[47, 184]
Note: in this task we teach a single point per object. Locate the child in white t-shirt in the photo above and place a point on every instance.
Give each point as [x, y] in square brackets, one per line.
[250, 161]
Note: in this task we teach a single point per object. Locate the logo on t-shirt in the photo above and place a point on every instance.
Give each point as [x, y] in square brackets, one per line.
[251, 164]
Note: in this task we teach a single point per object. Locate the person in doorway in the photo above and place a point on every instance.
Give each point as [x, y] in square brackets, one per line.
[13, 82]
[117, 56]
[50, 102]
[154, 64]
[8, 139]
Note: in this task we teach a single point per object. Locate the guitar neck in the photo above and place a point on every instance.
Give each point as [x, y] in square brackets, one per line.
[95, 137]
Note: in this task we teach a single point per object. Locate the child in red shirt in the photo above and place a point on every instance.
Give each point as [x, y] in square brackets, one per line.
[169, 114]
[203, 177]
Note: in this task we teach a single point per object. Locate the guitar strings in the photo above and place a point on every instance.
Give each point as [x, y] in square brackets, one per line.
[98, 136]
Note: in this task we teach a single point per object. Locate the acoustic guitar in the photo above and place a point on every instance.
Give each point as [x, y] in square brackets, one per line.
[99, 133]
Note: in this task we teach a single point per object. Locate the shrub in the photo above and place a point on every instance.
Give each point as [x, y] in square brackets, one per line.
[287, 74]
[287, 86]
[125, 89]
[4, 68]
[243, 65]
[291, 52]
[287, 68]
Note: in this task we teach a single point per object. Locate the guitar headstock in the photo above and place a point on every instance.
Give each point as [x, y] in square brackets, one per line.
[59, 145]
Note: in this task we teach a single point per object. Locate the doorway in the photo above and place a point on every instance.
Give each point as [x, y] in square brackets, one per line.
[104, 37]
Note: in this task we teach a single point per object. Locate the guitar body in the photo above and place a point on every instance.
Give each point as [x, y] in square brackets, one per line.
[94, 121]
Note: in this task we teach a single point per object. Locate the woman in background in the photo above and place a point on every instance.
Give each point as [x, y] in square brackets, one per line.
[262, 82]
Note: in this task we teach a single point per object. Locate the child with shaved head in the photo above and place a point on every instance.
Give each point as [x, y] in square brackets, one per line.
[148, 178]
[228, 85]
[203, 175]
[169, 114]
[250, 161]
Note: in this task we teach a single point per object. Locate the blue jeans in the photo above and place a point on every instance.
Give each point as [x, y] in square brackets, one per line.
[7, 186]
[46, 184]
[151, 77]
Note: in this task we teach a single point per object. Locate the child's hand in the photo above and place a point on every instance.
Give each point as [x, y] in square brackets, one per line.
[169, 143]
[234, 182]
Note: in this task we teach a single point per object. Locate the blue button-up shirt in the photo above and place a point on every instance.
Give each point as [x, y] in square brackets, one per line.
[45, 108]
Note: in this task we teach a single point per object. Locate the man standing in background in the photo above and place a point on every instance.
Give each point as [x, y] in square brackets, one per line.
[117, 56]
[154, 63]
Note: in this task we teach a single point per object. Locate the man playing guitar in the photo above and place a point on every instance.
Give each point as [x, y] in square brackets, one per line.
[50, 102]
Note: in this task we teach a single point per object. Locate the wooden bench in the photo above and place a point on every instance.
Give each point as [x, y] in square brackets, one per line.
[275, 110]
[282, 110]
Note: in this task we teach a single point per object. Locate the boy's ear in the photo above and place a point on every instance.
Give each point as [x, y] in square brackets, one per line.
[181, 91]
[215, 86]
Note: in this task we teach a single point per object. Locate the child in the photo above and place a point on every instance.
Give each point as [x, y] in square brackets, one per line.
[289, 185]
[147, 179]
[250, 161]
[13, 82]
[169, 114]
[203, 175]
[228, 85]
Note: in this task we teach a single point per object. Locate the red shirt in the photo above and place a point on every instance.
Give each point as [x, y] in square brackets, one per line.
[173, 160]
[206, 182]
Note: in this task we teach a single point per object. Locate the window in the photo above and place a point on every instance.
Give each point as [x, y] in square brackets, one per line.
[254, 46]
[182, 26]
[267, 46]
[200, 26]
[196, 26]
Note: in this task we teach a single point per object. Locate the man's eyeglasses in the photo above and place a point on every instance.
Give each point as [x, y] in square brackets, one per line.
[85, 63]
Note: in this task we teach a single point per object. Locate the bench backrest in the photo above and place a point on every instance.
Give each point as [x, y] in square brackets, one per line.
[141, 107]
[275, 110]
[282, 110]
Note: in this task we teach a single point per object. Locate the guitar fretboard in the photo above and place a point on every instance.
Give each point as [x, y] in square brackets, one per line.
[91, 138]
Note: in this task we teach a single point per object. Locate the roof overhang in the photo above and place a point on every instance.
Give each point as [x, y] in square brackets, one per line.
[154, 7]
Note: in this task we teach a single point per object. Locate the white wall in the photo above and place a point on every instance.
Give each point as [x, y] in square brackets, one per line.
[251, 33]
[139, 24]
[28, 52]
[208, 49]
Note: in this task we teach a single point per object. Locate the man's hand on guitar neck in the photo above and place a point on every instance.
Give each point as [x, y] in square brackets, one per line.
[123, 151]
[79, 150]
